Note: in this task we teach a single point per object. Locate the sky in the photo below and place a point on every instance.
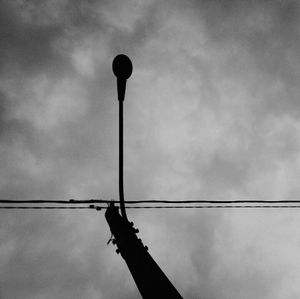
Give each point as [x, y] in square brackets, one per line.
[212, 111]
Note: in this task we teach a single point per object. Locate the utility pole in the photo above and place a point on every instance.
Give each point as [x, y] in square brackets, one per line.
[149, 278]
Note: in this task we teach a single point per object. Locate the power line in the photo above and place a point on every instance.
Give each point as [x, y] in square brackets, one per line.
[214, 207]
[44, 208]
[147, 201]
[152, 207]
[211, 207]
[206, 201]
[213, 201]
[53, 201]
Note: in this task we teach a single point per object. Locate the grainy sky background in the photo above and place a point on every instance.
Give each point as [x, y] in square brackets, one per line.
[212, 111]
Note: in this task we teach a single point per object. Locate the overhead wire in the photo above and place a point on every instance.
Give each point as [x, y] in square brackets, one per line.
[213, 207]
[152, 207]
[158, 204]
[43, 208]
[208, 201]
[148, 201]
[53, 201]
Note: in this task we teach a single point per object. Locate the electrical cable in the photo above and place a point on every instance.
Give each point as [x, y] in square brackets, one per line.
[164, 204]
[53, 201]
[148, 201]
[44, 208]
[214, 207]
[213, 201]
[153, 207]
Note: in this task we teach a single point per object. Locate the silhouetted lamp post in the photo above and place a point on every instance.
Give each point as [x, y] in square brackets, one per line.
[149, 278]
[122, 68]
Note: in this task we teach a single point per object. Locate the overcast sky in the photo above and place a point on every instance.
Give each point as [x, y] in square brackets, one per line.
[212, 111]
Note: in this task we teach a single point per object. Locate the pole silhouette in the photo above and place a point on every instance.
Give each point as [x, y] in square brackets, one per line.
[122, 68]
[149, 278]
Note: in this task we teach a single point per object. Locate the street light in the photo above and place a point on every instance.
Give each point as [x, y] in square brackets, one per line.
[122, 68]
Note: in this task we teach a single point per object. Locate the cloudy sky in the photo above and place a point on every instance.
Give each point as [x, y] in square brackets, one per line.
[212, 111]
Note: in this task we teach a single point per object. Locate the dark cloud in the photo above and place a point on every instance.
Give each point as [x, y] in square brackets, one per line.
[26, 46]
[264, 39]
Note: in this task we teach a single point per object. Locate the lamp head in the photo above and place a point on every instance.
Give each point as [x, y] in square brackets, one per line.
[122, 66]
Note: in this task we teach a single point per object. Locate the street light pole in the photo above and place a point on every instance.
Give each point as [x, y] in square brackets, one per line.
[122, 68]
[149, 278]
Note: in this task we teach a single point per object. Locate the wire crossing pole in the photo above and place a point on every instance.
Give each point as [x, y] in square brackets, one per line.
[149, 278]
[122, 68]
